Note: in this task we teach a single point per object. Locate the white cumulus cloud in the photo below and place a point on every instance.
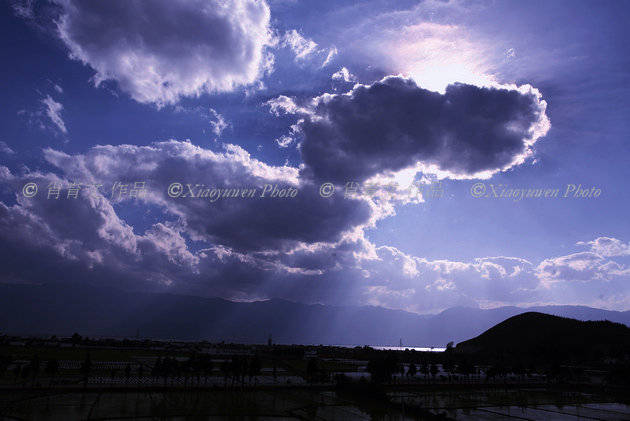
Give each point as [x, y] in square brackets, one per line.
[166, 49]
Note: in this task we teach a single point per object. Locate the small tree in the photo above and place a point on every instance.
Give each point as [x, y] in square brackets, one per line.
[312, 368]
[434, 370]
[35, 365]
[381, 368]
[52, 368]
[424, 368]
[208, 366]
[17, 372]
[411, 372]
[465, 368]
[4, 364]
[225, 369]
[86, 367]
[254, 367]
[26, 371]
[449, 366]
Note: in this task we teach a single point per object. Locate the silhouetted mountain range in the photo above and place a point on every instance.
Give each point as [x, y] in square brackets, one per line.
[542, 336]
[99, 311]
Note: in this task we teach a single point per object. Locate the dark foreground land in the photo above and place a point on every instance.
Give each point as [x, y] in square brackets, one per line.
[503, 374]
[316, 403]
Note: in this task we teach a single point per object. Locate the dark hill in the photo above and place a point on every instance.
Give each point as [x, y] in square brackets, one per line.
[543, 336]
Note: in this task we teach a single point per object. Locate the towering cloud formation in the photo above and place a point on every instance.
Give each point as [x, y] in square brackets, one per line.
[165, 49]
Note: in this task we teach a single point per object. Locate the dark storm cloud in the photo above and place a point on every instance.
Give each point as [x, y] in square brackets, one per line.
[245, 224]
[394, 124]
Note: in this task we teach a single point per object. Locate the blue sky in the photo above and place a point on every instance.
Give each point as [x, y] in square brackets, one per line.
[247, 93]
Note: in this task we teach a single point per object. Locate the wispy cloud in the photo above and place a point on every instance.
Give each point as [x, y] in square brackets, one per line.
[344, 74]
[6, 149]
[305, 49]
[301, 46]
[53, 111]
[217, 122]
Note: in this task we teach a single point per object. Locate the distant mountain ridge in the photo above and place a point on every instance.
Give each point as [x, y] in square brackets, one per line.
[101, 311]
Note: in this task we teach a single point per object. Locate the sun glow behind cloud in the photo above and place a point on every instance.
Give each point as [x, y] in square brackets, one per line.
[436, 55]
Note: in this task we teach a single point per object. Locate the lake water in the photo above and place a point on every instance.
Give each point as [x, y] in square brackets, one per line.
[399, 348]
[411, 348]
